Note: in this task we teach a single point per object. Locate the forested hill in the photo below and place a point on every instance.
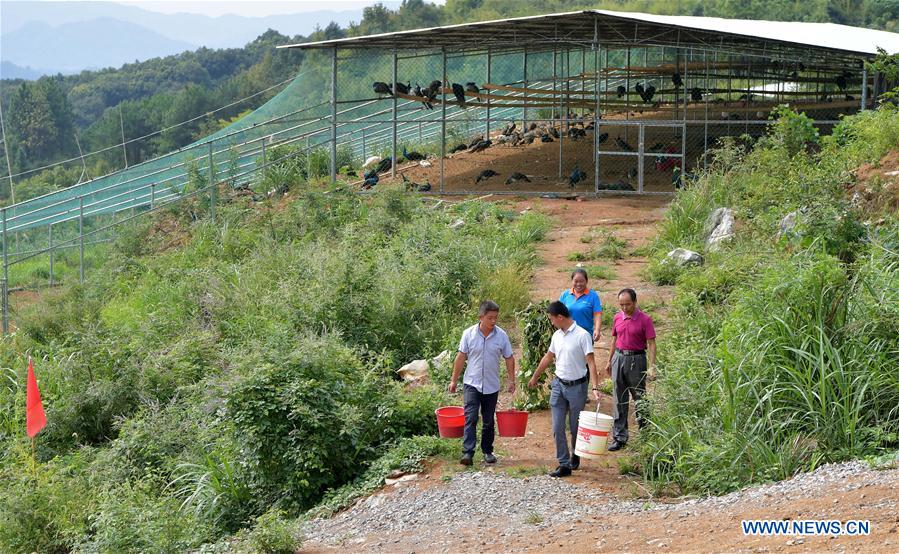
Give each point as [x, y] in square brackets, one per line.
[45, 116]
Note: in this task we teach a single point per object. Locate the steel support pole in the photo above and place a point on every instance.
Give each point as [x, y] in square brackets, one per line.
[864, 89]
[443, 122]
[50, 250]
[265, 161]
[596, 116]
[705, 133]
[563, 109]
[683, 149]
[81, 239]
[627, 96]
[213, 189]
[489, 80]
[363, 145]
[393, 117]
[5, 291]
[641, 149]
[524, 112]
[555, 82]
[152, 196]
[122, 126]
[333, 115]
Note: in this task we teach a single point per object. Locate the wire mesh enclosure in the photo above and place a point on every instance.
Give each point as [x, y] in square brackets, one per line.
[580, 103]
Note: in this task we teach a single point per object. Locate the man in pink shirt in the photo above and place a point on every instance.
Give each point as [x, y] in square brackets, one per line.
[633, 335]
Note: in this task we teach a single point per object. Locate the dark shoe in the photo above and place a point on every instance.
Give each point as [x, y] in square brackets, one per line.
[561, 471]
[466, 459]
[575, 461]
[616, 446]
[489, 458]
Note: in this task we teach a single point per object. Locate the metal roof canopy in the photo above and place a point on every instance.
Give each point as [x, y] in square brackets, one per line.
[776, 39]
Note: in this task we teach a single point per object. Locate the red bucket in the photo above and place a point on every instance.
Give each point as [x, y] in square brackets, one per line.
[512, 423]
[450, 421]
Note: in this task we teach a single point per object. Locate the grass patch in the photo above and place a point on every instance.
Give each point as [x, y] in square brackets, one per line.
[594, 271]
[609, 246]
[533, 518]
[523, 472]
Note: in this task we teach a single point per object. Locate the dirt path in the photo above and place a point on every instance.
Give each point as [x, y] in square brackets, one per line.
[515, 507]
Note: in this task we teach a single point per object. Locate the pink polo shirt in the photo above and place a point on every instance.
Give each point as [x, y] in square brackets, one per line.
[631, 333]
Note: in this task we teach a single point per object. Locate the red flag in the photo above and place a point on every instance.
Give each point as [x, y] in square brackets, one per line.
[35, 420]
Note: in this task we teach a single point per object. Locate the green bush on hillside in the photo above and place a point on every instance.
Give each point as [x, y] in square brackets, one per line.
[782, 352]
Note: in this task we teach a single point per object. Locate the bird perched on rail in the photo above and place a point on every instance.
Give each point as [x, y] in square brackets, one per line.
[421, 94]
[640, 90]
[459, 93]
[384, 165]
[486, 174]
[370, 179]
[382, 88]
[576, 176]
[623, 144]
[676, 79]
[433, 89]
[621, 90]
[696, 94]
[650, 92]
[412, 156]
[517, 177]
[401, 88]
[473, 87]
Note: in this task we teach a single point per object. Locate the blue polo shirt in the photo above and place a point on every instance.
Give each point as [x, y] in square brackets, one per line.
[582, 307]
[484, 353]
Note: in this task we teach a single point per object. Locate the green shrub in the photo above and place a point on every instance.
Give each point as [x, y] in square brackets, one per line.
[44, 509]
[536, 332]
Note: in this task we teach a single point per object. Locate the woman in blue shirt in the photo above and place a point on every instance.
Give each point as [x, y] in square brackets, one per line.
[583, 304]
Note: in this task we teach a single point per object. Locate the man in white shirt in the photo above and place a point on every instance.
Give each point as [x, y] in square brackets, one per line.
[571, 346]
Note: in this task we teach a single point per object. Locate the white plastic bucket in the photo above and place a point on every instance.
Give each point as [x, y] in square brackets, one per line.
[592, 434]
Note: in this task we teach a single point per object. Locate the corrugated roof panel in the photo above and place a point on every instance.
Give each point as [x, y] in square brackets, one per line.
[828, 36]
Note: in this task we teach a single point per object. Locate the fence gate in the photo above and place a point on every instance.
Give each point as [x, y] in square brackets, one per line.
[640, 156]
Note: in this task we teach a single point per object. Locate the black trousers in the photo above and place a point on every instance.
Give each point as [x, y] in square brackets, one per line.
[485, 403]
[629, 379]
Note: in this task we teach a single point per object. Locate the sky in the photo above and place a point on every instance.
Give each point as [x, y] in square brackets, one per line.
[246, 8]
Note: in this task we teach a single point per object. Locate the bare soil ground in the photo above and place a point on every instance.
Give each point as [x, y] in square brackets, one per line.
[684, 527]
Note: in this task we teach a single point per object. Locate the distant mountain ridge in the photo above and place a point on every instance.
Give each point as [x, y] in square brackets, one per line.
[103, 34]
[9, 70]
[90, 44]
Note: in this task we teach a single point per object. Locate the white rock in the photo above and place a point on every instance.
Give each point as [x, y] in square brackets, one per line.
[425, 163]
[416, 370]
[458, 224]
[372, 160]
[683, 257]
[788, 224]
[721, 223]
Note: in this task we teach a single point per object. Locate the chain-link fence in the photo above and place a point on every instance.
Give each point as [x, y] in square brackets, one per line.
[562, 118]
